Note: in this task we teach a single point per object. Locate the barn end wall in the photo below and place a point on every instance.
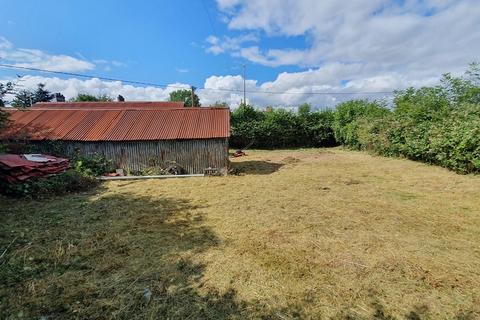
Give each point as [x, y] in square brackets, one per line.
[192, 155]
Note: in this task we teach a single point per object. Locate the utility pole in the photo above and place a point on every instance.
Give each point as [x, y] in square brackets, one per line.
[193, 90]
[244, 87]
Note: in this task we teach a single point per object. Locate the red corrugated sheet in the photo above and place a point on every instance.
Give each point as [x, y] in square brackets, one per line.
[15, 168]
[117, 121]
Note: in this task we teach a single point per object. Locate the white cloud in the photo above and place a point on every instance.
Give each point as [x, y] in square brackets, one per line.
[216, 45]
[34, 58]
[293, 89]
[350, 46]
[422, 38]
[288, 89]
[182, 70]
[5, 44]
[72, 87]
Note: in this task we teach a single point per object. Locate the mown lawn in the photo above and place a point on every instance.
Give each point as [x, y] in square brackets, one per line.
[316, 233]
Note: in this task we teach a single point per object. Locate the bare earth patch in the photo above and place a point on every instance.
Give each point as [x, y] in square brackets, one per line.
[315, 233]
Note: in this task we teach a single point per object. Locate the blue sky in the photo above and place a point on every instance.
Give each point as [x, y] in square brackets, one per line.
[301, 46]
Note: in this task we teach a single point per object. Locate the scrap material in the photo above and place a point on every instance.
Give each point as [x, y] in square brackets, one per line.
[17, 168]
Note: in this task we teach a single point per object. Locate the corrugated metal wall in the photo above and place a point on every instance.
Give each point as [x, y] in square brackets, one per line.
[193, 155]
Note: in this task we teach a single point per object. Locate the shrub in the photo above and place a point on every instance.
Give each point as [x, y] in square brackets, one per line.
[40, 188]
[95, 165]
[349, 114]
[438, 125]
[451, 141]
[278, 128]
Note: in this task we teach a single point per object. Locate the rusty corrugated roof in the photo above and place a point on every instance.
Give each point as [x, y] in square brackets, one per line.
[135, 121]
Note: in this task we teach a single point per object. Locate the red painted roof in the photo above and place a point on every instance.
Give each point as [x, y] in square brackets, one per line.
[117, 121]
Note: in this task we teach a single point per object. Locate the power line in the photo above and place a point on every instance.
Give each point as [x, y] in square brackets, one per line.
[209, 17]
[186, 87]
[89, 76]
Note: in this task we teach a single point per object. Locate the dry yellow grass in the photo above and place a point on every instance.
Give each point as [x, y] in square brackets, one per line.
[315, 233]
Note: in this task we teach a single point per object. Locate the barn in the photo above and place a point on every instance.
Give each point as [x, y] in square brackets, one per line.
[133, 135]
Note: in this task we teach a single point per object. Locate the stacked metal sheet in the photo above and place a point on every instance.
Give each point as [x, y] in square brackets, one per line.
[17, 168]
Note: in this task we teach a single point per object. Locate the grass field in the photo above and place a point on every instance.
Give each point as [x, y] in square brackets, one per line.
[316, 233]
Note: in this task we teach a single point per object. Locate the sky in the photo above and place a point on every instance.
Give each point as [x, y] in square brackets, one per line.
[294, 51]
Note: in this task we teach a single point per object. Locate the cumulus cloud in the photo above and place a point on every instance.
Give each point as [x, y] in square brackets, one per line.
[424, 37]
[70, 88]
[217, 45]
[34, 58]
[322, 87]
[350, 47]
[287, 89]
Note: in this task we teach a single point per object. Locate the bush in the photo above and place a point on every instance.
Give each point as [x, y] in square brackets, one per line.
[349, 114]
[40, 188]
[92, 166]
[280, 128]
[438, 125]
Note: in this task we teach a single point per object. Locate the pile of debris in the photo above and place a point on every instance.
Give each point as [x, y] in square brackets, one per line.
[17, 168]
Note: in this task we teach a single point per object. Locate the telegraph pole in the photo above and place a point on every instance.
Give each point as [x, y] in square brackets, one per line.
[244, 88]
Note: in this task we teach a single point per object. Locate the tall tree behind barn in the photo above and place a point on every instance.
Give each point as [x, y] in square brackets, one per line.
[134, 135]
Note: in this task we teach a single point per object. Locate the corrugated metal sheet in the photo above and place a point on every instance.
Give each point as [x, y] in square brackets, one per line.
[110, 105]
[127, 124]
[193, 155]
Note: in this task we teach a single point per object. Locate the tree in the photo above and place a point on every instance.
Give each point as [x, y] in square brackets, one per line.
[220, 104]
[5, 88]
[59, 97]
[42, 95]
[304, 109]
[85, 97]
[120, 98]
[465, 88]
[26, 98]
[23, 99]
[347, 117]
[185, 96]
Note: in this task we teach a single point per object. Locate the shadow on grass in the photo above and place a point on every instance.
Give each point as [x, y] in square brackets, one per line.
[115, 256]
[255, 167]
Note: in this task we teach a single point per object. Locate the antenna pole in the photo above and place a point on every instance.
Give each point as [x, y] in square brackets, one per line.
[244, 87]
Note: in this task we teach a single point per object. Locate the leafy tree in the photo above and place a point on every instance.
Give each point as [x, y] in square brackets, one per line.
[316, 129]
[278, 128]
[26, 98]
[245, 122]
[84, 97]
[347, 115]
[5, 88]
[220, 104]
[304, 109]
[59, 97]
[438, 125]
[42, 95]
[185, 96]
[463, 89]
[23, 99]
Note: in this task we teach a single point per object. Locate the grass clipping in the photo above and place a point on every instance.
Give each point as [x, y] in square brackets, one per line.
[296, 234]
